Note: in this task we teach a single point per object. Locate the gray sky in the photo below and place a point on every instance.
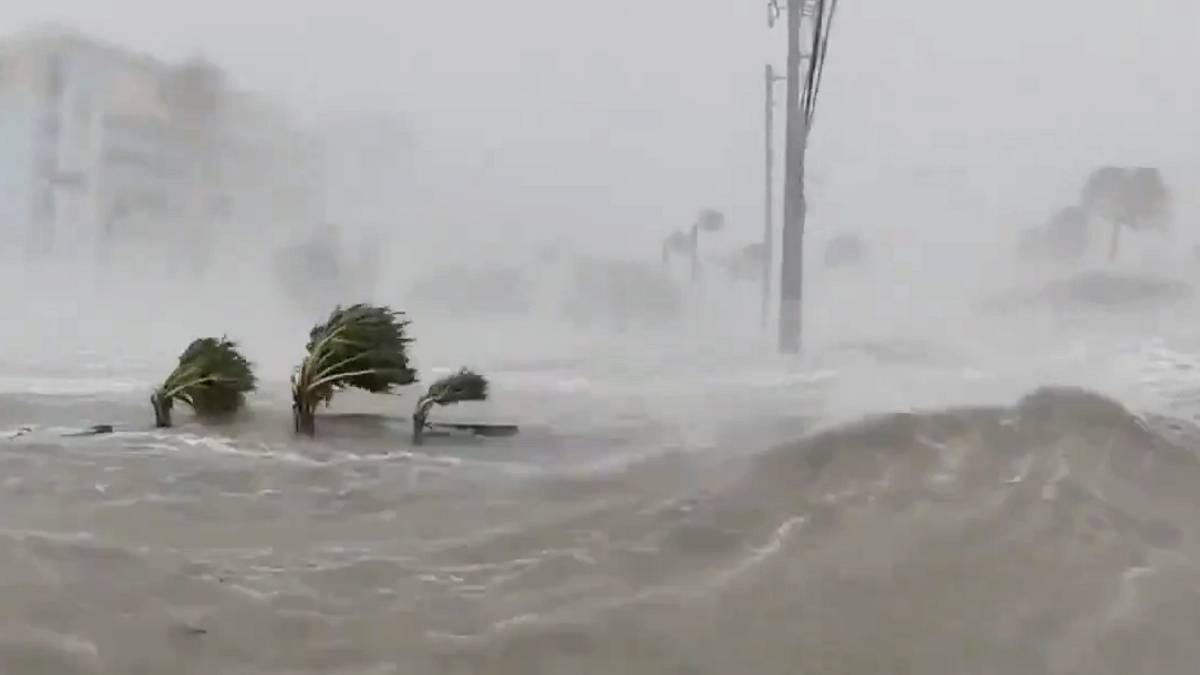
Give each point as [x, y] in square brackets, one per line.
[611, 122]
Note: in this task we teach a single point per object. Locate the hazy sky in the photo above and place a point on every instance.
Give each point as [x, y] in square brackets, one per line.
[611, 122]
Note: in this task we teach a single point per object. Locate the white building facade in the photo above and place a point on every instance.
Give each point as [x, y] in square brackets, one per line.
[100, 146]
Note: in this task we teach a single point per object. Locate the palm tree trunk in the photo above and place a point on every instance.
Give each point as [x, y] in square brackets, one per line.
[162, 411]
[304, 418]
[420, 417]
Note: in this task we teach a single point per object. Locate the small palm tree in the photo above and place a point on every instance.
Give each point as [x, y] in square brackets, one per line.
[844, 250]
[465, 385]
[1136, 198]
[361, 346]
[708, 221]
[212, 377]
[1066, 234]
[676, 242]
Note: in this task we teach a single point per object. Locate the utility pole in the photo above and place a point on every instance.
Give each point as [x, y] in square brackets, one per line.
[791, 282]
[769, 194]
[804, 68]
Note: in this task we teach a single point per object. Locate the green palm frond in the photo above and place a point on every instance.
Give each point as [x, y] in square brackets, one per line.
[212, 377]
[465, 385]
[361, 346]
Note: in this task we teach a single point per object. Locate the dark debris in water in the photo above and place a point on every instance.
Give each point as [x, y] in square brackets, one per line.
[21, 431]
[95, 430]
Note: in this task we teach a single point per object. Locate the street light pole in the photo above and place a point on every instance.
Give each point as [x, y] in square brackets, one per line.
[769, 193]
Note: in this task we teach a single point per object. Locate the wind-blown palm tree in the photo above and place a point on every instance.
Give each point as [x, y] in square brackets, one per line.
[708, 221]
[212, 377]
[676, 242]
[844, 250]
[361, 346]
[1135, 198]
[745, 264]
[1066, 233]
[465, 385]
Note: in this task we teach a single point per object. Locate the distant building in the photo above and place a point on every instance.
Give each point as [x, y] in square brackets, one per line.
[370, 169]
[99, 145]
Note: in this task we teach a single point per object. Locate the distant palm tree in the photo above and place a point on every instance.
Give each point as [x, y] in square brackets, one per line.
[676, 242]
[844, 250]
[745, 264]
[1136, 198]
[1066, 234]
[709, 221]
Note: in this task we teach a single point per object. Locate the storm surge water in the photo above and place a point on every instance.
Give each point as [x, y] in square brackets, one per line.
[984, 459]
[933, 488]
